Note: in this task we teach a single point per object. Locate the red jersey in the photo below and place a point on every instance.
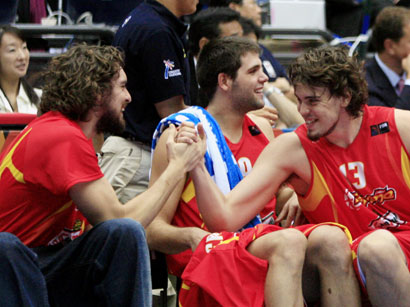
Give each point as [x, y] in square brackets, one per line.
[365, 186]
[48, 157]
[246, 151]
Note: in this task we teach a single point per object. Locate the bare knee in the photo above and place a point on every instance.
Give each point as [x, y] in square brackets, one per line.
[287, 244]
[290, 245]
[380, 252]
[291, 241]
[329, 245]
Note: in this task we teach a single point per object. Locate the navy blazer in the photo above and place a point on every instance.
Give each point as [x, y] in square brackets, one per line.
[381, 92]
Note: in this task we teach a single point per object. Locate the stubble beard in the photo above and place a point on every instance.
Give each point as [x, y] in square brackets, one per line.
[111, 123]
[315, 138]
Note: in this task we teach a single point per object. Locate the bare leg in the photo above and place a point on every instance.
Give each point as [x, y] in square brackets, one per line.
[328, 272]
[384, 266]
[285, 252]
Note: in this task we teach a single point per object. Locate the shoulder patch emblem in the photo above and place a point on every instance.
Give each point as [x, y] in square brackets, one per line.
[169, 70]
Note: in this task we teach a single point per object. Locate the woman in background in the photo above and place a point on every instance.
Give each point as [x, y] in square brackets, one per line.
[16, 95]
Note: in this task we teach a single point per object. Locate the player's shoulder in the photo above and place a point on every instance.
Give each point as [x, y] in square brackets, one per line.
[263, 125]
[286, 144]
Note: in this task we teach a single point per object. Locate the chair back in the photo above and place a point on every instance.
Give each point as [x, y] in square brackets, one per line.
[10, 126]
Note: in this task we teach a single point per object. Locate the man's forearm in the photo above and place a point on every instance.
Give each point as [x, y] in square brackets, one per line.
[147, 205]
[287, 110]
[210, 200]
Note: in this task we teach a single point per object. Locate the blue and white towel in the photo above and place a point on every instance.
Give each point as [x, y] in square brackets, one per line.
[219, 160]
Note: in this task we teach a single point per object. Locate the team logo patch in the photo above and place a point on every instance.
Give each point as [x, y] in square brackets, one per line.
[169, 70]
[379, 129]
[379, 196]
[254, 130]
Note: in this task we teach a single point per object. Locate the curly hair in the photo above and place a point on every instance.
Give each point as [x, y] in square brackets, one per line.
[78, 79]
[334, 69]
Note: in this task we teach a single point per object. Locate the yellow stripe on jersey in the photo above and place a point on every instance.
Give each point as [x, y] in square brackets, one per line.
[318, 191]
[354, 255]
[189, 193]
[64, 207]
[8, 162]
[46, 222]
[185, 286]
[235, 238]
[405, 166]
[342, 227]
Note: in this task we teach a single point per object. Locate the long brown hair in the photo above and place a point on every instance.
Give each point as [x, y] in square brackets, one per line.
[78, 79]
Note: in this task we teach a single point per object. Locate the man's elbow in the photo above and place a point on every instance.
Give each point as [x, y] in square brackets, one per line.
[221, 224]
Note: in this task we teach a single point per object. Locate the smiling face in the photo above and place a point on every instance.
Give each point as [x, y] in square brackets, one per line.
[247, 87]
[14, 57]
[112, 120]
[320, 110]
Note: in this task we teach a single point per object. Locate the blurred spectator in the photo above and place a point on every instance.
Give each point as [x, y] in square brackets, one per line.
[247, 8]
[31, 11]
[271, 67]
[207, 25]
[352, 17]
[16, 95]
[388, 73]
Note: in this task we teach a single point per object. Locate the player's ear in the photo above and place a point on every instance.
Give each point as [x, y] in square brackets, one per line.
[347, 96]
[224, 81]
[234, 6]
[98, 108]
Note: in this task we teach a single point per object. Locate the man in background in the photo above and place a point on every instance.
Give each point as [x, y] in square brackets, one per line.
[388, 73]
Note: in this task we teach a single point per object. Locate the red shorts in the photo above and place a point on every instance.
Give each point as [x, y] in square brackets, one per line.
[222, 272]
[403, 237]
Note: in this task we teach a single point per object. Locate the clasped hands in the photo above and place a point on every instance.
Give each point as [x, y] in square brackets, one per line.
[186, 145]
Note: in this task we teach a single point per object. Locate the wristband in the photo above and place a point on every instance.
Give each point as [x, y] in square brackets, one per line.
[273, 89]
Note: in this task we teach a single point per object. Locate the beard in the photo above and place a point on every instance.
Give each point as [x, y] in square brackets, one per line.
[111, 123]
[316, 137]
[245, 101]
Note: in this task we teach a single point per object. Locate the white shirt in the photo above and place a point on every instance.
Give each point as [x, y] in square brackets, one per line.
[24, 104]
[393, 77]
